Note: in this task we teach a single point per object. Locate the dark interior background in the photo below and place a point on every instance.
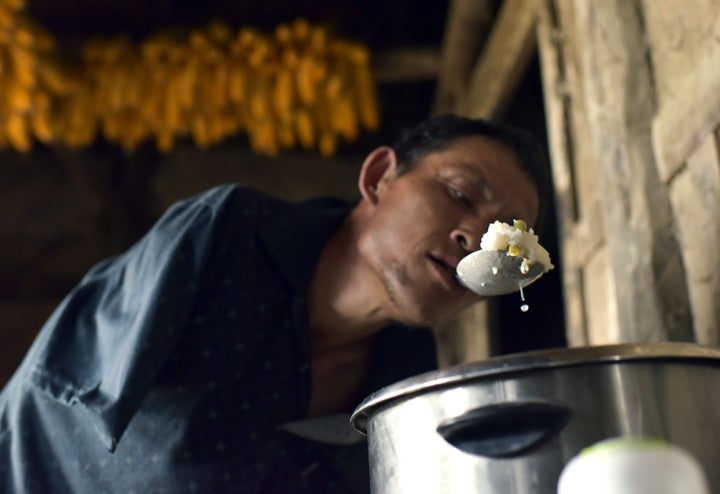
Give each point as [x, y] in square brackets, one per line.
[65, 210]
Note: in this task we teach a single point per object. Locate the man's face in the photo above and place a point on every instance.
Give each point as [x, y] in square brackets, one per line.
[429, 218]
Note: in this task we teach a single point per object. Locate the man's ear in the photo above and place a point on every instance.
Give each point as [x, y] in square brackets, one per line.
[377, 167]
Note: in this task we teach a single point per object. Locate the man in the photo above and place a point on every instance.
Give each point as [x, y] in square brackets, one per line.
[192, 362]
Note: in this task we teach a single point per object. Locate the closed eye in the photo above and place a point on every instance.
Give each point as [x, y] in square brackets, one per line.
[459, 195]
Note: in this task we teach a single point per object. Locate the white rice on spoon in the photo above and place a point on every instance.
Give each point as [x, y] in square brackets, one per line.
[516, 240]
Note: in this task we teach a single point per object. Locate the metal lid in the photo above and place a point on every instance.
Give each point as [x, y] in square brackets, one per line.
[527, 361]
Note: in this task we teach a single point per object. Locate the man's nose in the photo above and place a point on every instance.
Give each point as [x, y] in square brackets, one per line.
[468, 237]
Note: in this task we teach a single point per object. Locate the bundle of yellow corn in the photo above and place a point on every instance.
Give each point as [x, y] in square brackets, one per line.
[30, 79]
[296, 86]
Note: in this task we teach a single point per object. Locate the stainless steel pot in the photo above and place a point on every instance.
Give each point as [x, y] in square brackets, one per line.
[510, 424]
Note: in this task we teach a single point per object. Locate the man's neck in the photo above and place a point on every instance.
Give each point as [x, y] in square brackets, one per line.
[344, 299]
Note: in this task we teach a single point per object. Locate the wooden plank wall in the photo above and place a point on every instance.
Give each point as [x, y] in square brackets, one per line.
[685, 41]
[633, 107]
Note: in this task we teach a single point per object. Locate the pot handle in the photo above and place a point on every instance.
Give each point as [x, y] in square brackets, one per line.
[504, 430]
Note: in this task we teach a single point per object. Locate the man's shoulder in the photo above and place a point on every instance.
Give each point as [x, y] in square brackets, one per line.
[239, 194]
[225, 205]
[223, 195]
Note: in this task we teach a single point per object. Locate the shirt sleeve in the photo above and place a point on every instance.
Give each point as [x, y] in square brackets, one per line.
[106, 342]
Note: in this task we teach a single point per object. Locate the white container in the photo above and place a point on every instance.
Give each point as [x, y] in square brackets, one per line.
[633, 465]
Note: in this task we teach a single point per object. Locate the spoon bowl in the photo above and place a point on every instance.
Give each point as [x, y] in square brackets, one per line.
[492, 272]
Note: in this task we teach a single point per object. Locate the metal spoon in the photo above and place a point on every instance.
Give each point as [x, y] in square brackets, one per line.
[492, 272]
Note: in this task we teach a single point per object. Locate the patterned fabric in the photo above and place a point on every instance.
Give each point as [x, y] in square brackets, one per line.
[172, 367]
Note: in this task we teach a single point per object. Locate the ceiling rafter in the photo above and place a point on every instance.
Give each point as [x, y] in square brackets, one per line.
[503, 62]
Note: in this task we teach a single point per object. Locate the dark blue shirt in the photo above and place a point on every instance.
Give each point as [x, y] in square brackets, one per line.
[172, 367]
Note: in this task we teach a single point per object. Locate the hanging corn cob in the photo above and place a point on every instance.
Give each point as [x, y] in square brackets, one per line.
[296, 86]
[28, 78]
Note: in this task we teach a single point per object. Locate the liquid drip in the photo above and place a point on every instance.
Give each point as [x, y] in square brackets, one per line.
[523, 307]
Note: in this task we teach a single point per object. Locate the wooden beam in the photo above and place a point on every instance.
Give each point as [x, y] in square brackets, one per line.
[503, 61]
[406, 64]
[683, 122]
[466, 28]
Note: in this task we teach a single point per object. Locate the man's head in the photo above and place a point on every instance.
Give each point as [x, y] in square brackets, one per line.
[439, 131]
[428, 199]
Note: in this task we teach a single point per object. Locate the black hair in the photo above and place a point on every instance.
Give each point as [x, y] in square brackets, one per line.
[438, 132]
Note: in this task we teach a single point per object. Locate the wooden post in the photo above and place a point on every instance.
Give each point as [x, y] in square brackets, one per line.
[560, 115]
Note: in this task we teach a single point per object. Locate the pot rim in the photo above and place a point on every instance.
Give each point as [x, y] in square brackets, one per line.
[527, 361]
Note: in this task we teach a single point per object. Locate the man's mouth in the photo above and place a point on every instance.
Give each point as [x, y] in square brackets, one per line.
[446, 269]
